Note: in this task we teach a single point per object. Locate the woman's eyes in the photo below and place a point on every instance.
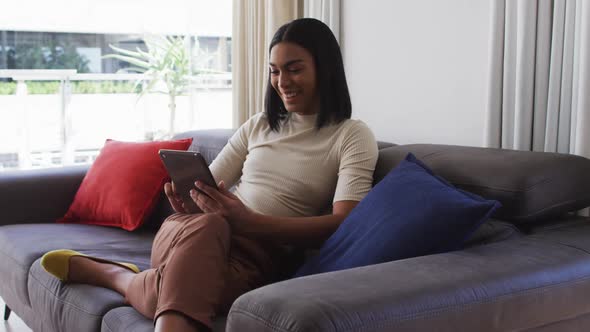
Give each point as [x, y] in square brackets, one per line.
[291, 70]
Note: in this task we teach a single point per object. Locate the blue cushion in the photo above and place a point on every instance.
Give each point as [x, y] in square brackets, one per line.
[411, 212]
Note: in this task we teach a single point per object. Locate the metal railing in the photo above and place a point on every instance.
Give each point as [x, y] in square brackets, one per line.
[67, 154]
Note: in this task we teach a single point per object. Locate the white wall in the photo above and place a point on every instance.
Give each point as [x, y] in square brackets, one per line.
[417, 68]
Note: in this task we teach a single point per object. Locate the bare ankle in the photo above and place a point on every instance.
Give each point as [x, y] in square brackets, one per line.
[87, 271]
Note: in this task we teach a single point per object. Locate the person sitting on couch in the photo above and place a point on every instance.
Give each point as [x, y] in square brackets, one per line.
[288, 164]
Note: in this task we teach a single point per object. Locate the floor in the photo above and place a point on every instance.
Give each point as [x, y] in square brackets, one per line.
[14, 323]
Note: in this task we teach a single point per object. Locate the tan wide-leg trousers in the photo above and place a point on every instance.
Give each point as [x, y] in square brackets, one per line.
[198, 269]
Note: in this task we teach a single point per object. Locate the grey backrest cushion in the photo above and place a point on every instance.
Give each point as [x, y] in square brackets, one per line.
[532, 186]
[208, 142]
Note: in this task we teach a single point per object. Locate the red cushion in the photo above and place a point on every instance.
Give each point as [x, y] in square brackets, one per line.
[123, 185]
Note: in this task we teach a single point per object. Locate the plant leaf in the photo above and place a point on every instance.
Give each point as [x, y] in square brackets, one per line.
[124, 51]
[147, 55]
[129, 59]
[133, 69]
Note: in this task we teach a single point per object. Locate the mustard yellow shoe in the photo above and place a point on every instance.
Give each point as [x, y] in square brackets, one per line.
[57, 262]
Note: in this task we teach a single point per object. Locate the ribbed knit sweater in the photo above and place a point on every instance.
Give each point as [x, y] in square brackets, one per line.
[297, 171]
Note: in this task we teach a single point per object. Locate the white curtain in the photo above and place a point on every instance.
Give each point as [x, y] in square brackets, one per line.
[327, 11]
[539, 70]
[254, 24]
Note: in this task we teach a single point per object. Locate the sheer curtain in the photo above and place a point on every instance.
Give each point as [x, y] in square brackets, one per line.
[254, 24]
[539, 69]
[327, 11]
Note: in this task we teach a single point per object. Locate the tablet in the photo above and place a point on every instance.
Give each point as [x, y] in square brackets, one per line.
[184, 168]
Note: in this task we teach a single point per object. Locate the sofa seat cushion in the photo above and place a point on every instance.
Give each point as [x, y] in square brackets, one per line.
[127, 319]
[492, 231]
[22, 245]
[514, 285]
[69, 307]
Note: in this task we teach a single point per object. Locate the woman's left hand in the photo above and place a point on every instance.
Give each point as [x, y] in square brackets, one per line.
[221, 201]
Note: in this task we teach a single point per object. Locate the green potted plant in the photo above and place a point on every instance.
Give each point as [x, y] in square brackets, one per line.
[166, 61]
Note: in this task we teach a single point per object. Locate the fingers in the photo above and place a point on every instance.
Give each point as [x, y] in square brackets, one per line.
[225, 191]
[204, 202]
[174, 200]
[210, 191]
[168, 189]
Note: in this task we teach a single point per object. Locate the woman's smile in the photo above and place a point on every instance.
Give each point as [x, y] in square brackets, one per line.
[290, 97]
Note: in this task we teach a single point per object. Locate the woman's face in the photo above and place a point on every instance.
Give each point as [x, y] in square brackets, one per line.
[293, 76]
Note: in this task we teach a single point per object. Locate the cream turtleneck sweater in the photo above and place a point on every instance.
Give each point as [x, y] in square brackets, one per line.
[298, 171]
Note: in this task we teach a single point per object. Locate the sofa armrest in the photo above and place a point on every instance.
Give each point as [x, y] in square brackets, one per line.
[33, 196]
[510, 285]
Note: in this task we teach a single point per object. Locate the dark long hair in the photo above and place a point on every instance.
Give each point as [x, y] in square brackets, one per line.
[317, 39]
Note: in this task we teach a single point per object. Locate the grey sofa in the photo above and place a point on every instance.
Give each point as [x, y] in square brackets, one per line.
[526, 269]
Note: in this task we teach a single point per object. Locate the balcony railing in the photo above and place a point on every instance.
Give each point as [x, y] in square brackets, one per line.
[65, 128]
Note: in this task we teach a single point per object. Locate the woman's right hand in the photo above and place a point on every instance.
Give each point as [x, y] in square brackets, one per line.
[173, 198]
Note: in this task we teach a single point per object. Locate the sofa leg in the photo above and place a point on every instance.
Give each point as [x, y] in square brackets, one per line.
[7, 312]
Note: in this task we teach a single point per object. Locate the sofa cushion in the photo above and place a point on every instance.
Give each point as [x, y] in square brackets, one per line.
[22, 245]
[66, 306]
[127, 319]
[49, 190]
[207, 142]
[123, 185]
[532, 186]
[492, 231]
[412, 212]
[74, 307]
[210, 142]
[516, 285]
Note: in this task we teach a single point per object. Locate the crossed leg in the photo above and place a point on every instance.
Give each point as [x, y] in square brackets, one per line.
[193, 275]
[181, 294]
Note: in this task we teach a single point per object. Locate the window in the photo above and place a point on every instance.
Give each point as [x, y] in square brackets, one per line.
[60, 98]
